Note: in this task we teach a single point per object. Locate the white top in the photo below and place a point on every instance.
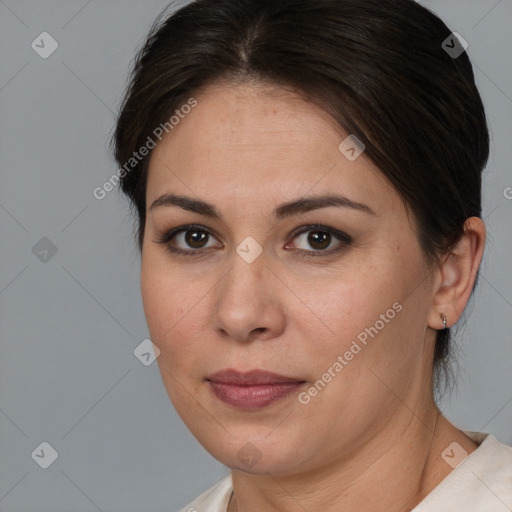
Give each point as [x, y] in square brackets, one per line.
[482, 482]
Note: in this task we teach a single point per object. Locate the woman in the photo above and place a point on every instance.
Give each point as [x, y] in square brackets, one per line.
[307, 180]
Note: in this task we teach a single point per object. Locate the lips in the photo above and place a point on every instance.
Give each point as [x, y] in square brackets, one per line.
[250, 378]
[253, 389]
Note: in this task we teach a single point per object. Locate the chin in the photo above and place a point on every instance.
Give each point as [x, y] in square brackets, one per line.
[255, 452]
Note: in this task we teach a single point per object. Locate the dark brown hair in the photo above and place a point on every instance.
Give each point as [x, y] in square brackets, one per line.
[380, 68]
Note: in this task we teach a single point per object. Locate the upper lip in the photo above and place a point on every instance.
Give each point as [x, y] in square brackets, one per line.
[249, 378]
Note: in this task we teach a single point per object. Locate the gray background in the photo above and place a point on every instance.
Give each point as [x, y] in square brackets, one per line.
[69, 325]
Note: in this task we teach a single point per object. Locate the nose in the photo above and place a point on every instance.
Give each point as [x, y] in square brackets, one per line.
[249, 302]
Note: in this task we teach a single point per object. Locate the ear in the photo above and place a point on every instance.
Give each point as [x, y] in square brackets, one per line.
[456, 275]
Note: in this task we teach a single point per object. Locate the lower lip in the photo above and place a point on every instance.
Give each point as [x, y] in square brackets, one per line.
[253, 397]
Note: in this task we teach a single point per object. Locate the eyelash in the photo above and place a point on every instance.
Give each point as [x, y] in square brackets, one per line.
[345, 240]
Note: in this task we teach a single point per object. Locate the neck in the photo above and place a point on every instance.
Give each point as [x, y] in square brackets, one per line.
[393, 472]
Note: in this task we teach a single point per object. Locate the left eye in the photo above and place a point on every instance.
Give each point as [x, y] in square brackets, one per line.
[321, 239]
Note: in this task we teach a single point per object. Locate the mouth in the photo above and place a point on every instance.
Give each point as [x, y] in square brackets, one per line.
[254, 389]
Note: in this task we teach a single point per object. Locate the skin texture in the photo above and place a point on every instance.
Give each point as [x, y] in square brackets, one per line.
[372, 438]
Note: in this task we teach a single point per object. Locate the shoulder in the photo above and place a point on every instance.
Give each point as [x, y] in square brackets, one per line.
[214, 499]
[481, 481]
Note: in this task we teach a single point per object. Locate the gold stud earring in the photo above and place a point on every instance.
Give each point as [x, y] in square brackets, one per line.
[443, 318]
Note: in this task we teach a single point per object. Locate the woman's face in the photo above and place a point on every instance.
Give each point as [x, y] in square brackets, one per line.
[334, 299]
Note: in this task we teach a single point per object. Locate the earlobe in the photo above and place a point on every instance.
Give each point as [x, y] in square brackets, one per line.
[457, 274]
[443, 318]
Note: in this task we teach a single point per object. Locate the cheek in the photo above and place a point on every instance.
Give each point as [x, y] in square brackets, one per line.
[157, 301]
[346, 304]
[360, 313]
[169, 324]
[172, 308]
[161, 300]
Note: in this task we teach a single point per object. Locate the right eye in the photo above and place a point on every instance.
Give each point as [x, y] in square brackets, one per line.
[193, 239]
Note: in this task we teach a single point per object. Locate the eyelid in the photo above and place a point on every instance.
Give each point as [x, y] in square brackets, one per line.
[341, 236]
[167, 237]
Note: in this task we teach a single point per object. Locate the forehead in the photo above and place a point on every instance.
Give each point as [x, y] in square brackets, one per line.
[261, 144]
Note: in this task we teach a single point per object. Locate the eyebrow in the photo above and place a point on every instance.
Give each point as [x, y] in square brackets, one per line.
[302, 205]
